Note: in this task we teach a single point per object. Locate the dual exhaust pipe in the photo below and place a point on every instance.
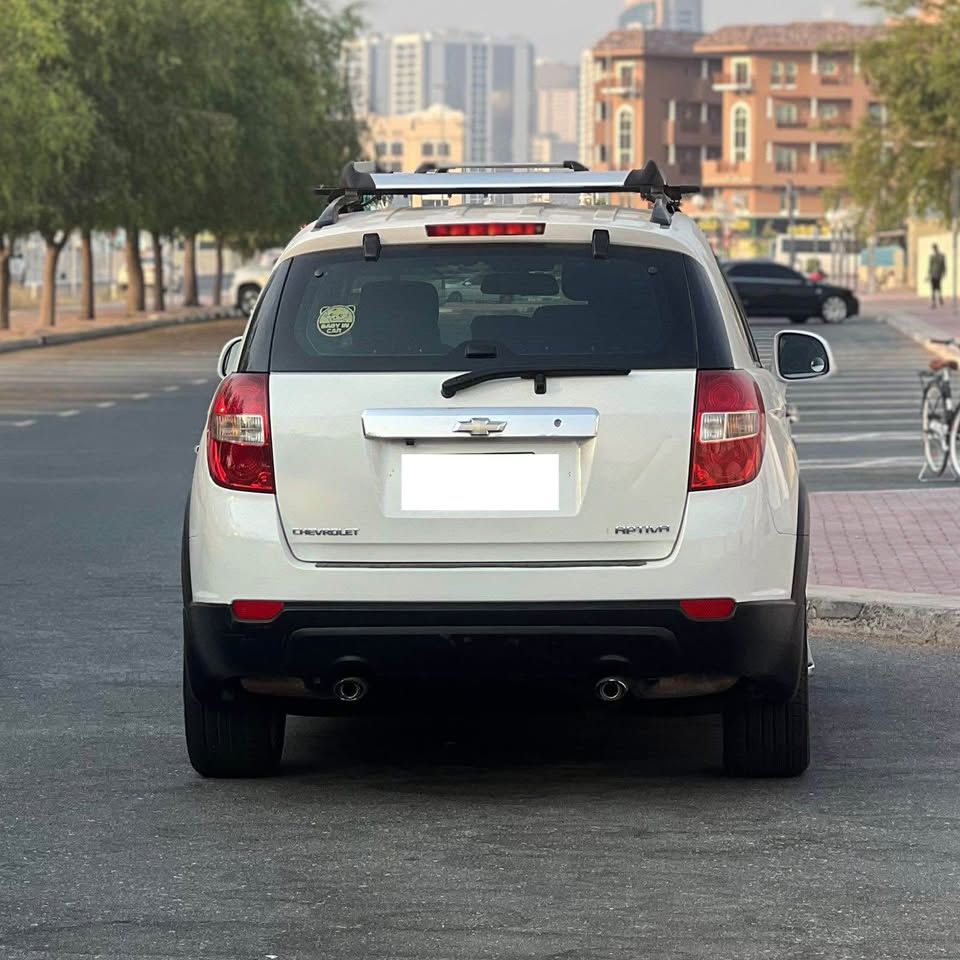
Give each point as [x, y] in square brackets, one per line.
[355, 689]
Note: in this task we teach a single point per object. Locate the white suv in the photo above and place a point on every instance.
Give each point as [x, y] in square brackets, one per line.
[578, 486]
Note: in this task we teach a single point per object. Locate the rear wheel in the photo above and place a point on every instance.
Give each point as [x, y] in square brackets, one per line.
[231, 739]
[768, 739]
[834, 310]
[952, 444]
[938, 437]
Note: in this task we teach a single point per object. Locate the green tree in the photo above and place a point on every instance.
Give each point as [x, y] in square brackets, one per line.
[909, 158]
[45, 128]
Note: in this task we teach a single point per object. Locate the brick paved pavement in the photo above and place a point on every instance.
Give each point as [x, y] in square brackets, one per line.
[906, 541]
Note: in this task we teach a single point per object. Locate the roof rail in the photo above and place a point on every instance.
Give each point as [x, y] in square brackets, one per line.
[448, 167]
[363, 180]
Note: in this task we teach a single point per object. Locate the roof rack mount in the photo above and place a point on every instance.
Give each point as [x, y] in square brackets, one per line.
[360, 180]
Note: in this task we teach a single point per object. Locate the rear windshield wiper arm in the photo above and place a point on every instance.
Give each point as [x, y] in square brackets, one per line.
[449, 388]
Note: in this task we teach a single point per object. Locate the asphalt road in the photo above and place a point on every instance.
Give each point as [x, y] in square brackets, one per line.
[494, 837]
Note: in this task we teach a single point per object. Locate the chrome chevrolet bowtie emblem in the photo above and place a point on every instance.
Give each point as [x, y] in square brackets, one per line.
[480, 426]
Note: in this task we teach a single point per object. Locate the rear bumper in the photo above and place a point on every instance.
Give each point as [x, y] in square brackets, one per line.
[571, 644]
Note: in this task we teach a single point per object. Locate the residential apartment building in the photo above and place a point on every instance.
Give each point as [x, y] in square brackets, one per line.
[403, 142]
[653, 99]
[792, 96]
[490, 81]
[663, 15]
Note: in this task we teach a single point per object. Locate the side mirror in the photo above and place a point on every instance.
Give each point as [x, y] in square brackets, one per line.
[229, 357]
[798, 355]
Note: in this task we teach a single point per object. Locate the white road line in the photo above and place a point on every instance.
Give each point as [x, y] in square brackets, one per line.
[139, 396]
[103, 404]
[874, 437]
[67, 413]
[17, 423]
[170, 389]
[876, 463]
[200, 380]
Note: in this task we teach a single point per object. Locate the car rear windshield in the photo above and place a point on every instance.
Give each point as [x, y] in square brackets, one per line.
[460, 306]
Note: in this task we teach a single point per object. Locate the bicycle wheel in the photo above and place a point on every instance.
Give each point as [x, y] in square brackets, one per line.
[952, 446]
[936, 426]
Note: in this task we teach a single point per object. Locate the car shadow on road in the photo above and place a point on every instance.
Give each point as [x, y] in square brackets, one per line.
[447, 750]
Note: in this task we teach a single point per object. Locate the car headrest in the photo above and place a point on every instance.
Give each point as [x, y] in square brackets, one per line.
[398, 316]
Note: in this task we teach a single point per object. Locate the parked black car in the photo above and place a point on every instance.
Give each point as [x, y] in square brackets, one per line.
[767, 289]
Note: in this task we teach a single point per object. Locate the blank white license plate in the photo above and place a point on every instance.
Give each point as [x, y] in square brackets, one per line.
[480, 482]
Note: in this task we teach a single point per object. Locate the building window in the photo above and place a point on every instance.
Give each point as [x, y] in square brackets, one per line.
[877, 112]
[426, 149]
[443, 148]
[790, 74]
[741, 72]
[776, 74]
[601, 153]
[786, 115]
[625, 138]
[829, 111]
[601, 111]
[829, 68]
[381, 148]
[741, 132]
[785, 159]
[396, 149]
[625, 74]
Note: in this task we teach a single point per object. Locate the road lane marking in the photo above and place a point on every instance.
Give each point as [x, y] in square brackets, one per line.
[67, 413]
[875, 463]
[200, 380]
[170, 389]
[876, 436]
[139, 396]
[17, 423]
[103, 404]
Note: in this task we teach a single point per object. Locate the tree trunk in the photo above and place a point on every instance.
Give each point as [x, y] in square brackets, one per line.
[190, 298]
[136, 300]
[6, 251]
[87, 292]
[218, 274]
[158, 300]
[48, 301]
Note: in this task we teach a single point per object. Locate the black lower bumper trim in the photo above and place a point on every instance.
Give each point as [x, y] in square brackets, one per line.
[761, 643]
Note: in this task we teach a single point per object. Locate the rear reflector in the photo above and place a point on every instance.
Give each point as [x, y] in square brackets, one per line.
[718, 608]
[728, 430]
[485, 229]
[239, 454]
[256, 611]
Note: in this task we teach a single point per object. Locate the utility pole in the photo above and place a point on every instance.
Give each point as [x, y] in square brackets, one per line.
[955, 225]
[791, 211]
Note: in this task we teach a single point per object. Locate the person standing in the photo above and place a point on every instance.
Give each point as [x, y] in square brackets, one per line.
[936, 271]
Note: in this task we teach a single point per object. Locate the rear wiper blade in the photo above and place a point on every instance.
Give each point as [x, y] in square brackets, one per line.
[449, 388]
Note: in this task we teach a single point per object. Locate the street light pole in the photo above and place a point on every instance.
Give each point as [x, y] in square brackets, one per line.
[955, 227]
[791, 205]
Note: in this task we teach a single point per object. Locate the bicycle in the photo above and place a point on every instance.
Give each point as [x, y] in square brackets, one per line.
[940, 416]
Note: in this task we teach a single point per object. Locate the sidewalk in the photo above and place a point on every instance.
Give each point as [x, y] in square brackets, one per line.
[26, 330]
[913, 316]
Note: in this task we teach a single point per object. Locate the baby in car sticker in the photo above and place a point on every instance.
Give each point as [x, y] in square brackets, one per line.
[335, 321]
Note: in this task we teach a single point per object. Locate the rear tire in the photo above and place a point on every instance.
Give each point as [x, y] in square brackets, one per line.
[768, 739]
[952, 444]
[231, 739]
[247, 298]
[935, 424]
[834, 310]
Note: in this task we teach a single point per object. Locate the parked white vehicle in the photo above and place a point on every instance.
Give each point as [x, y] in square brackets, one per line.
[249, 279]
[579, 487]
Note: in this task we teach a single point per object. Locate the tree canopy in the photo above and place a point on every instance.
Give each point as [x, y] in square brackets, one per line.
[172, 116]
[907, 159]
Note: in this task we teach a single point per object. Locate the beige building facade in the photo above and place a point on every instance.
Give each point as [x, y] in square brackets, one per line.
[404, 142]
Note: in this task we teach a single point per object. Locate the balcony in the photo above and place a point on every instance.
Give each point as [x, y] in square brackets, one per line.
[730, 81]
[631, 92]
[841, 79]
[688, 132]
[726, 173]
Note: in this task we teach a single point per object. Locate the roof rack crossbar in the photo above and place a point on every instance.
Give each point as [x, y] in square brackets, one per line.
[428, 167]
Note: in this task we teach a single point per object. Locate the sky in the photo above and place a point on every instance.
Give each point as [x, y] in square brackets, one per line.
[560, 29]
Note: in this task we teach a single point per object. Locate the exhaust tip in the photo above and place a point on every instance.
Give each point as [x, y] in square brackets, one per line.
[350, 689]
[611, 689]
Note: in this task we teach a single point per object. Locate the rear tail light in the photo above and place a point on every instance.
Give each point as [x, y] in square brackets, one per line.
[728, 430]
[256, 611]
[485, 229]
[239, 453]
[714, 608]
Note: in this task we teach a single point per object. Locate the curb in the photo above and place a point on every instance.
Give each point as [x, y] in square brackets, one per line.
[153, 321]
[914, 618]
[922, 333]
